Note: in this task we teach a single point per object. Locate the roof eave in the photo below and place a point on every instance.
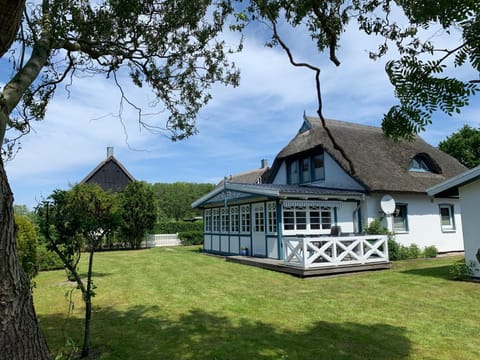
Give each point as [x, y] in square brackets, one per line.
[455, 182]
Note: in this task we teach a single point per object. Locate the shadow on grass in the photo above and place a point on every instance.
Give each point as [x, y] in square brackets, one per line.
[442, 272]
[141, 333]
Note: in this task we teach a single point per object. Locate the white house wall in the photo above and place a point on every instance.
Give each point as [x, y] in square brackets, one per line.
[470, 199]
[345, 216]
[423, 216]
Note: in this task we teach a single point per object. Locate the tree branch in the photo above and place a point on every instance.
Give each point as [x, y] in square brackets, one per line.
[336, 146]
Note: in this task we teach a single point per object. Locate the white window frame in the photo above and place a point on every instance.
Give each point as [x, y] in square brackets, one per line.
[234, 219]
[271, 218]
[451, 216]
[324, 227]
[224, 223]
[216, 220]
[208, 220]
[245, 219]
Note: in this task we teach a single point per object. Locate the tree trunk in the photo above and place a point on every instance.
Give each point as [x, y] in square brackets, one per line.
[20, 335]
[88, 304]
[10, 17]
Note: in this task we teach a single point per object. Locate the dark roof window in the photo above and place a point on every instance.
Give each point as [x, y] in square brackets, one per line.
[423, 163]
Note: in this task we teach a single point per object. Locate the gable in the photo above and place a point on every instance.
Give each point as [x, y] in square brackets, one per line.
[110, 175]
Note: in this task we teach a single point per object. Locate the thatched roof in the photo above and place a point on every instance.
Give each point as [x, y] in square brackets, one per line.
[380, 164]
[255, 176]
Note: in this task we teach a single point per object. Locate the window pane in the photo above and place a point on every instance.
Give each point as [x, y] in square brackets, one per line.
[272, 217]
[301, 218]
[318, 168]
[259, 219]
[288, 220]
[293, 172]
[326, 219]
[445, 215]
[314, 219]
[306, 170]
[400, 218]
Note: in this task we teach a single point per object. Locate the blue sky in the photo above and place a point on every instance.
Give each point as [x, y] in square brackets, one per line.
[238, 128]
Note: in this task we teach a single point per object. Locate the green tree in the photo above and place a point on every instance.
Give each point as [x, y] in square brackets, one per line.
[27, 241]
[138, 212]
[170, 46]
[175, 199]
[464, 145]
[69, 219]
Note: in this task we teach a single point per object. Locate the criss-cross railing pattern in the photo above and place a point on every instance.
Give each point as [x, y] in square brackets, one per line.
[309, 252]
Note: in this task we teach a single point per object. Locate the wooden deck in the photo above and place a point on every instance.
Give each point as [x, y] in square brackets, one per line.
[279, 265]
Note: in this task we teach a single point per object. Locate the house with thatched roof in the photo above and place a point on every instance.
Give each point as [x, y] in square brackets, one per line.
[324, 184]
[109, 174]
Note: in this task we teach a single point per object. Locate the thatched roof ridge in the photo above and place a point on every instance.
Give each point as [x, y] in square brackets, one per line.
[380, 163]
[254, 176]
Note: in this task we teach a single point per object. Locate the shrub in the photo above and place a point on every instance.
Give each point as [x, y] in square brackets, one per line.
[393, 249]
[430, 251]
[48, 260]
[27, 245]
[191, 237]
[413, 251]
[397, 251]
[376, 228]
[461, 270]
[173, 227]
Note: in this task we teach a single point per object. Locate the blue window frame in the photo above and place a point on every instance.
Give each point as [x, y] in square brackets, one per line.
[306, 169]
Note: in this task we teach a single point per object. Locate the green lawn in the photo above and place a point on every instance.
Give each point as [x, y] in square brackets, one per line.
[175, 303]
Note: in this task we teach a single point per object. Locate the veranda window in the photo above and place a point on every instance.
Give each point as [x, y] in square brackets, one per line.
[245, 218]
[224, 220]
[313, 219]
[208, 220]
[272, 218]
[234, 219]
[215, 220]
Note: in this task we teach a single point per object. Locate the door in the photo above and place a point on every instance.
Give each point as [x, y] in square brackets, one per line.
[258, 233]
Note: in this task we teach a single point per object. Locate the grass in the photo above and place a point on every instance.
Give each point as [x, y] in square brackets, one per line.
[175, 303]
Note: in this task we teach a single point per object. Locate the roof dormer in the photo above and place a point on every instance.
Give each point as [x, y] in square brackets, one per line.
[424, 163]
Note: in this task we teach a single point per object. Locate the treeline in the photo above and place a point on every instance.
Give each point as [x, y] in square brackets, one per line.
[175, 199]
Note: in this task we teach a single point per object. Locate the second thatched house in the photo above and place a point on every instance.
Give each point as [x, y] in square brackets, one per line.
[314, 191]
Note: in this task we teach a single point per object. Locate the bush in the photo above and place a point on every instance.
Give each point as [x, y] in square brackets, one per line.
[173, 227]
[191, 237]
[397, 251]
[48, 260]
[376, 228]
[413, 251]
[27, 245]
[430, 251]
[461, 270]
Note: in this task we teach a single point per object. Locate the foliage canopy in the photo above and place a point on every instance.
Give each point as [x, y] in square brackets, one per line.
[464, 145]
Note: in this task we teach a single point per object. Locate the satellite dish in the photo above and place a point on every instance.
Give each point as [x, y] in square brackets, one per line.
[387, 204]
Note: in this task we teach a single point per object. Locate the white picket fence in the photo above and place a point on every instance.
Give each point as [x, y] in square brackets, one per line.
[155, 240]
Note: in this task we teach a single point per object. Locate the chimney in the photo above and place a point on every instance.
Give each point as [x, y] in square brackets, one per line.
[264, 164]
[109, 151]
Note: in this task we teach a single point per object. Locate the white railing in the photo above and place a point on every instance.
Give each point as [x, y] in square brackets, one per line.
[154, 240]
[311, 252]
